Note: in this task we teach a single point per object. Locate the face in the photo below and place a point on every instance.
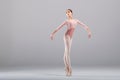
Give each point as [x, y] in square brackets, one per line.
[68, 13]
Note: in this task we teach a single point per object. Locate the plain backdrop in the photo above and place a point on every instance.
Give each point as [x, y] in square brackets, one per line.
[25, 27]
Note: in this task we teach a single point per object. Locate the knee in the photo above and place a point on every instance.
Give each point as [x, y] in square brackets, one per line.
[64, 57]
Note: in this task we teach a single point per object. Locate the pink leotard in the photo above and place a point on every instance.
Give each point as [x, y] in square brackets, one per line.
[71, 24]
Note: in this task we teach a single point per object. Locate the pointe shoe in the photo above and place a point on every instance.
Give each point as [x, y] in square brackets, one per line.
[70, 71]
[67, 71]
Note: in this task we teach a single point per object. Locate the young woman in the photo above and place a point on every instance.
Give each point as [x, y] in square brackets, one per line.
[71, 24]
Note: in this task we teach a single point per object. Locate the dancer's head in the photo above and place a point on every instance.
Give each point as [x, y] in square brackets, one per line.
[69, 13]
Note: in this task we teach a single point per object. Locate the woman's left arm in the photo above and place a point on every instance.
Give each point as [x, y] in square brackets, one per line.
[84, 26]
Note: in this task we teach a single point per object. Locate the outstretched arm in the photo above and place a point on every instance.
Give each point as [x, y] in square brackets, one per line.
[84, 26]
[59, 27]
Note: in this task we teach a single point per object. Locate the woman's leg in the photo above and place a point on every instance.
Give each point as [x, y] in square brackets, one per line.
[68, 55]
[65, 52]
[67, 42]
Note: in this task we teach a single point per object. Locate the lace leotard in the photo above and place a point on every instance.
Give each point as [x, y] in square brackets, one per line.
[71, 24]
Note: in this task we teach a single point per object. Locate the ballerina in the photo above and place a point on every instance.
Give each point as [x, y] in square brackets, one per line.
[71, 25]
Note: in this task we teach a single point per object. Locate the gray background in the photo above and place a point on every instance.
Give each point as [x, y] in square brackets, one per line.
[25, 26]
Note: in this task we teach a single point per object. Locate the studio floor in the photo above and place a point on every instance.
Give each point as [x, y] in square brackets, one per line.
[80, 73]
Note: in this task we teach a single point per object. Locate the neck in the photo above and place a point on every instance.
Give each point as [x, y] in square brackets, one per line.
[70, 17]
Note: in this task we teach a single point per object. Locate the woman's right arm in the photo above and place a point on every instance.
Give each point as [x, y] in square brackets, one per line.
[59, 27]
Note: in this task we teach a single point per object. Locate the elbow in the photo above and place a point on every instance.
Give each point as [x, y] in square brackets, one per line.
[87, 29]
[56, 30]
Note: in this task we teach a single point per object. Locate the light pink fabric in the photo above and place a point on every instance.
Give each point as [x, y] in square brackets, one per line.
[72, 24]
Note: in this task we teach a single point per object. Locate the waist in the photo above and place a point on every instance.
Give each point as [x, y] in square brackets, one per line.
[69, 31]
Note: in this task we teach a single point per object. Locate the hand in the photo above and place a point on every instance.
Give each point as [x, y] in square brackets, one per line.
[89, 35]
[51, 36]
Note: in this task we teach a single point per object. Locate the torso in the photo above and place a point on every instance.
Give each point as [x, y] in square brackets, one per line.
[71, 24]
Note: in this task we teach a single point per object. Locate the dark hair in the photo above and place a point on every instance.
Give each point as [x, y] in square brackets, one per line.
[70, 10]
